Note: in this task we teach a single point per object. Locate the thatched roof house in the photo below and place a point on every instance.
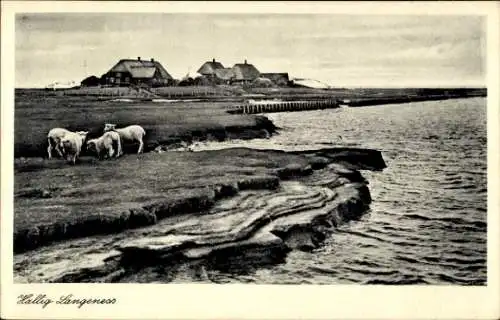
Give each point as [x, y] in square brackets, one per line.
[209, 68]
[245, 72]
[129, 71]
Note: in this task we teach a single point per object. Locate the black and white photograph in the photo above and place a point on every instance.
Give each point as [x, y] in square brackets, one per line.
[250, 148]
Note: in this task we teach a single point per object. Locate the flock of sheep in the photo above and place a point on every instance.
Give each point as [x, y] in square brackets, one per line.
[69, 144]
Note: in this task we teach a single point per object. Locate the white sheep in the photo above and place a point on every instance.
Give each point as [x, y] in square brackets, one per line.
[131, 133]
[71, 145]
[54, 138]
[105, 143]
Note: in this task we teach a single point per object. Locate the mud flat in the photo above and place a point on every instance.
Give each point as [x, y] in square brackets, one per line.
[112, 221]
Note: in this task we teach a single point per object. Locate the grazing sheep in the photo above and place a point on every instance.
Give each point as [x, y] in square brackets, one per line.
[105, 143]
[54, 138]
[71, 145]
[130, 133]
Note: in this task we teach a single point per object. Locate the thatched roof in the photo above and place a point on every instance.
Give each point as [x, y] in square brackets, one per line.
[209, 67]
[143, 72]
[245, 71]
[141, 68]
[224, 73]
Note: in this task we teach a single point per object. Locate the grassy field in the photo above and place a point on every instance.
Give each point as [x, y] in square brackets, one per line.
[165, 123]
[195, 91]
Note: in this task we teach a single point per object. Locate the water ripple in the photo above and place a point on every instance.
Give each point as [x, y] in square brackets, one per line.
[427, 223]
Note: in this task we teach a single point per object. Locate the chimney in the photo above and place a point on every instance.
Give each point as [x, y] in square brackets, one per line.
[245, 61]
[213, 60]
[139, 58]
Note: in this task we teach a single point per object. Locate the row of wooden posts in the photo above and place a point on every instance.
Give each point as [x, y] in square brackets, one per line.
[283, 106]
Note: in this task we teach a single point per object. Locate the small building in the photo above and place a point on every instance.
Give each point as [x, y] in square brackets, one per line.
[137, 72]
[245, 72]
[208, 68]
[280, 79]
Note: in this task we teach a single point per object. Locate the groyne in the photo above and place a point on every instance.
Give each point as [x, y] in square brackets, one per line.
[374, 101]
[282, 106]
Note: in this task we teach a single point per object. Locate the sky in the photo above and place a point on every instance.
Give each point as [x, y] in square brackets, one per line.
[340, 50]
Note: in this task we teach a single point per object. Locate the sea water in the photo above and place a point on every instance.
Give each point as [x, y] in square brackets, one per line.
[427, 221]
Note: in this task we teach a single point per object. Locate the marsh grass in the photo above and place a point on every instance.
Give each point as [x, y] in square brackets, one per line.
[165, 123]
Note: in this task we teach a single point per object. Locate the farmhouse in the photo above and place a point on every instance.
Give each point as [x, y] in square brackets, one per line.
[245, 72]
[208, 68]
[136, 72]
